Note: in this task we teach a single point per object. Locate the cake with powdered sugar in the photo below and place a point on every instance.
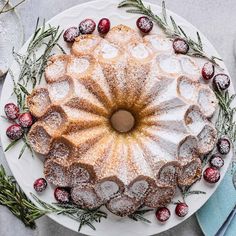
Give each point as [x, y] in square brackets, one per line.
[122, 121]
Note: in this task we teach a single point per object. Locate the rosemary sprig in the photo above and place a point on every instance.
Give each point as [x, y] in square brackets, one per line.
[138, 215]
[13, 198]
[17, 202]
[169, 26]
[32, 67]
[4, 9]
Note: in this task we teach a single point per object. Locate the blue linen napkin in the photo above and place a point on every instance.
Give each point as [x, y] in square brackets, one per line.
[215, 211]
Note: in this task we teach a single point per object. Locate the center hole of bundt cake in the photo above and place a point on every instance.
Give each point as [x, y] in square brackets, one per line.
[122, 121]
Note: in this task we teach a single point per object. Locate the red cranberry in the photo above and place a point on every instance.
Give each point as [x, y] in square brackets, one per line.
[216, 161]
[208, 71]
[40, 184]
[25, 120]
[223, 146]
[144, 24]
[70, 34]
[87, 26]
[180, 46]
[181, 209]
[104, 26]
[163, 214]
[14, 132]
[221, 81]
[211, 175]
[11, 111]
[62, 195]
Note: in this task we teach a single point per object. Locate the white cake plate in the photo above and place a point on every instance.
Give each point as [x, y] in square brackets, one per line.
[27, 169]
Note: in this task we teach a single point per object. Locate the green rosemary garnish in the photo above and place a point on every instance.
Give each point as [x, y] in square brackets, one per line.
[17, 202]
[32, 67]
[169, 26]
[138, 215]
[4, 9]
[31, 64]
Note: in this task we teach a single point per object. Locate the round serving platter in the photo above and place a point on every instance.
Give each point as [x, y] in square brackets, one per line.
[29, 168]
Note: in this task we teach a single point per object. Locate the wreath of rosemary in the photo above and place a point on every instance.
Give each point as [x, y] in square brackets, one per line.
[31, 71]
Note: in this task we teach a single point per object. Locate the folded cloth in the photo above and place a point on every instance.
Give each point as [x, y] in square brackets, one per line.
[216, 210]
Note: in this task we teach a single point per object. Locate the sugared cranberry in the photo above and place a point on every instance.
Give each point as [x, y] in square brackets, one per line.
[223, 146]
[11, 111]
[144, 24]
[70, 34]
[221, 81]
[104, 26]
[208, 71]
[180, 46]
[181, 209]
[14, 132]
[40, 184]
[163, 214]
[211, 175]
[216, 161]
[87, 26]
[25, 120]
[62, 195]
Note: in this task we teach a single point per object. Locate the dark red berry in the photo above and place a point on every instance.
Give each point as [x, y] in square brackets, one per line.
[221, 81]
[14, 132]
[211, 175]
[62, 195]
[104, 26]
[180, 46]
[40, 184]
[11, 111]
[87, 26]
[223, 146]
[181, 209]
[163, 214]
[70, 34]
[208, 71]
[25, 120]
[144, 24]
[216, 161]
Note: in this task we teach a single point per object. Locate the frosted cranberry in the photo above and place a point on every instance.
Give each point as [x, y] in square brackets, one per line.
[180, 46]
[70, 34]
[62, 195]
[211, 175]
[87, 26]
[216, 161]
[144, 24]
[208, 71]
[14, 132]
[181, 209]
[163, 214]
[221, 81]
[223, 146]
[25, 120]
[104, 26]
[40, 184]
[11, 111]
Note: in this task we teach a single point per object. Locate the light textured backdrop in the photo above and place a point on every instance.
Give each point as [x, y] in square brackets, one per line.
[214, 18]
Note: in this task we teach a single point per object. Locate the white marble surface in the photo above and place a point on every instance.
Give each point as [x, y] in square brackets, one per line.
[215, 18]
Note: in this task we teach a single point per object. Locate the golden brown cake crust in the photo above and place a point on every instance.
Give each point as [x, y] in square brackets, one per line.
[103, 166]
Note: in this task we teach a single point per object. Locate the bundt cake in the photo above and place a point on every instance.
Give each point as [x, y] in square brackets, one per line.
[122, 121]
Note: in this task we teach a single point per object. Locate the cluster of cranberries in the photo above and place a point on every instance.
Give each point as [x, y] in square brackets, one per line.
[62, 195]
[86, 26]
[212, 173]
[163, 213]
[22, 121]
